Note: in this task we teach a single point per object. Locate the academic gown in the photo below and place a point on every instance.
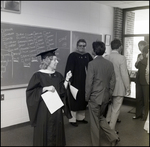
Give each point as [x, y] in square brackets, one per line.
[78, 63]
[48, 128]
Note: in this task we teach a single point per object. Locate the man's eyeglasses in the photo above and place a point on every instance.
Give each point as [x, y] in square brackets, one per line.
[82, 45]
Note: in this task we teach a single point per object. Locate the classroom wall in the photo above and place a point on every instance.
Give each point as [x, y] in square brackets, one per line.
[84, 16]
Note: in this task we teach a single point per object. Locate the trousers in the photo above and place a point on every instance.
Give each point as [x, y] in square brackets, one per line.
[98, 124]
[114, 111]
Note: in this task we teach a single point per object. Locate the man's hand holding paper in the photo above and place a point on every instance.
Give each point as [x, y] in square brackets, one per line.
[73, 91]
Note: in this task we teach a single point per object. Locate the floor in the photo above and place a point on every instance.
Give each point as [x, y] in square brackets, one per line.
[131, 132]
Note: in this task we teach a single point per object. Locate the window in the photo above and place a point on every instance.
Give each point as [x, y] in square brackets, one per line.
[135, 29]
[137, 22]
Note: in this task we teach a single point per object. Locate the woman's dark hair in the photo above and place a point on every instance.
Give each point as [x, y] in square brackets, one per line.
[81, 40]
[115, 44]
[99, 47]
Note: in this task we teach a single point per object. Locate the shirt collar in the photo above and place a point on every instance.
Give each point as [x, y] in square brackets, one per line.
[114, 51]
[96, 56]
[46, 71]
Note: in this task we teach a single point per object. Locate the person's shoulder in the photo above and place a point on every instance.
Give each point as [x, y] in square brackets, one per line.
[73, 54]
[87, 53]
[106, 60]
[58, 74]
[36, 73]
[35, 76]
[139, 54]
[91, 62]
[122, 57]
[117, 56]
[110, 64]
[106, 56]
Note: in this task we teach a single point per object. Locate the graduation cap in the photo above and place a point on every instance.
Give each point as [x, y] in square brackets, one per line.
[48, 53]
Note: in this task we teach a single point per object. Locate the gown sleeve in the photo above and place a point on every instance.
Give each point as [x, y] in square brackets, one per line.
[64, 96]
[70, 65]
[33, 98]
[90, 57]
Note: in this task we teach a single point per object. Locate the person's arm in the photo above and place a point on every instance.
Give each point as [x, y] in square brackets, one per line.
[52, 88]
[147, 76]
[89, 82]
[147, 69]
[139, 58]
[144, 60]
[68, 76]
[125, 75]
[33, 97]
[70, 65]
[112, 83]
[48, 88]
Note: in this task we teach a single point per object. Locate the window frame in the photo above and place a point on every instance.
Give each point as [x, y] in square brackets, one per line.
[146, 36]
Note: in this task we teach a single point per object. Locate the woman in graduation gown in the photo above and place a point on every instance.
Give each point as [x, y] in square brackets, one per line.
[48, 128]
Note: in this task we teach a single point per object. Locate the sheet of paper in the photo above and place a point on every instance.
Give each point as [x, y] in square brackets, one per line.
[52, 101]
[74, 91]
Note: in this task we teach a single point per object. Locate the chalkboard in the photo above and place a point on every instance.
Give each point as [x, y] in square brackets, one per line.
[89, 38]
[19, 46]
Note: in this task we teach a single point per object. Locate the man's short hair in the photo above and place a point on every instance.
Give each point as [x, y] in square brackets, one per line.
[81, 40]
[99, 47]
[115, 44]
[142, 42]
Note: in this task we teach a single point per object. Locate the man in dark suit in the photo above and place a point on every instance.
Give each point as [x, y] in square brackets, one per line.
[142, 87]
[100, 83]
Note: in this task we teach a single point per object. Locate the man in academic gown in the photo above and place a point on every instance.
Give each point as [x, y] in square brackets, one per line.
[77, 63]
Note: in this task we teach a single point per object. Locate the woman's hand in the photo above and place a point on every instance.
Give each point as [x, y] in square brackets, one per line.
[49, 88]
[68, 75]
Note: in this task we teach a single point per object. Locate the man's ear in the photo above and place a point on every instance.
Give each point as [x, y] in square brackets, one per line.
[120, 49]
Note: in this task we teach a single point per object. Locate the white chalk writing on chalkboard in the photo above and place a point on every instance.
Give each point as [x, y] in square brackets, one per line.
[19, 46]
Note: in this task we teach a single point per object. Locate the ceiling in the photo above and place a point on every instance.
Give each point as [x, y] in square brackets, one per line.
[124, 4]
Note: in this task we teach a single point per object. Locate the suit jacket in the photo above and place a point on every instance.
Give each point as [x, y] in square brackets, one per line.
[121, 72]
[141, 66]
[100, 80]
